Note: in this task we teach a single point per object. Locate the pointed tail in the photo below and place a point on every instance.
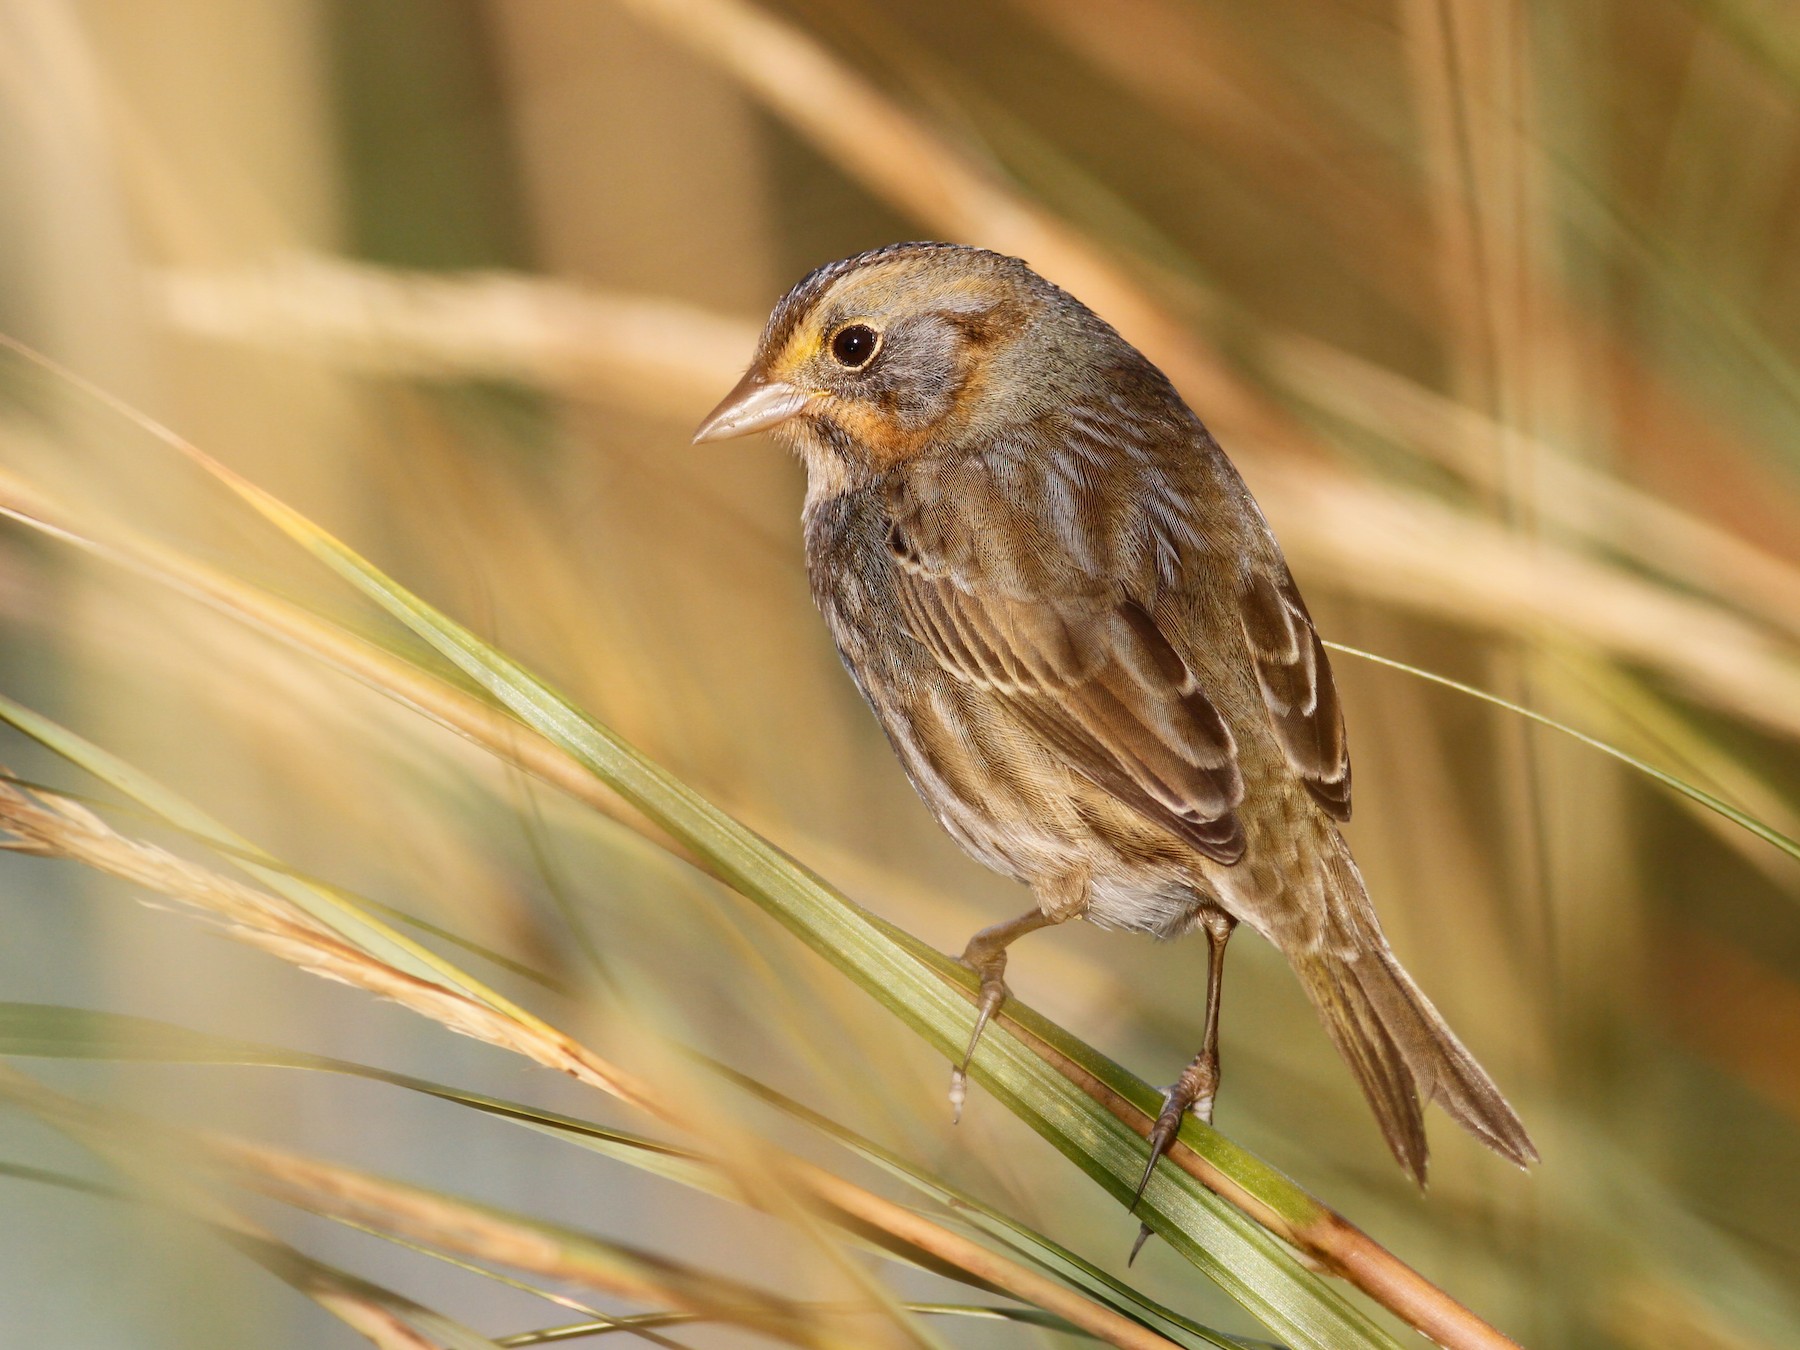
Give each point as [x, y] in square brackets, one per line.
[1398, 1046]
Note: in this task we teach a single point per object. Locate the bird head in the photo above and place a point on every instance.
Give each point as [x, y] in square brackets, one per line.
[876, 359]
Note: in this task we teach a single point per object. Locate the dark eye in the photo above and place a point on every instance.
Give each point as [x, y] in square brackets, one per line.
[854, 345]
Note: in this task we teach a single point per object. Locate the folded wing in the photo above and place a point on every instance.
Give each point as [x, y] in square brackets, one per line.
[1295, 678]
[1095, 678]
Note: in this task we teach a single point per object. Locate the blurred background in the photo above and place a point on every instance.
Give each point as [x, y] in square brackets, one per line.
[1495, 302]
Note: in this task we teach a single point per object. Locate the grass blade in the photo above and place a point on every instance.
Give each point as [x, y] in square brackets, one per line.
[56, 1032]
[1767, 833]
[1035, 1247]
[926, 989]
[638, 1325]
[486, 1232]
[328, 906]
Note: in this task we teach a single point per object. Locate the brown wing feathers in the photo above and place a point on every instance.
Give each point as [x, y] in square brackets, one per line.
[1295, 678]
[1100, 684]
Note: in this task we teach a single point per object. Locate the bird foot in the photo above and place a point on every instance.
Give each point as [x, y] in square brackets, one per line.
[991, 968]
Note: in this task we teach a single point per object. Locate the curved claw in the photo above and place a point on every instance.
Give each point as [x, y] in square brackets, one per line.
[1162, 1139]
[1143, 1236]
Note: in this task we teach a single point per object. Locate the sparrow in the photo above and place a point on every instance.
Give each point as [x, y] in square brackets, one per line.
[1086, 648]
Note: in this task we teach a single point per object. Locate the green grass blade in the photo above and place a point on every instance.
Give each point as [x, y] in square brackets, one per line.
[642, 1322]
[49, 1031]
[1744, 820]
[22, 1172]
[1033, 1246]
[445, 1332]
[256, 857]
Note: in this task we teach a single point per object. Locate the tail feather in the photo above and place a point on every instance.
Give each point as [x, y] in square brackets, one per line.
[1404, 1055]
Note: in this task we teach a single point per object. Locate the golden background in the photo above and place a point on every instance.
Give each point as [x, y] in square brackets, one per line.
[1497, 306]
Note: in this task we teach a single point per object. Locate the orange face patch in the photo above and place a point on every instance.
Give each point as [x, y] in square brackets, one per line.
[876, 432]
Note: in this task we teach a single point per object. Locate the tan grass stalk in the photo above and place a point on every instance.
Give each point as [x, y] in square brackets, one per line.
[1575, 498]
[56, 827]
[905, 162]
[1410, 550]
[474, 1231]
[1196, 67]
[657, 354]
[293, 625]
[374, 1323]
[1401, 547]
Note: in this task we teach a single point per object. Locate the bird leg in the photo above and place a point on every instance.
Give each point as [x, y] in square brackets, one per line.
[1199, 1082]
[986, 956]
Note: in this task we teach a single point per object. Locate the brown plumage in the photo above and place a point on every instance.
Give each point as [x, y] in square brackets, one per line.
[1085, 646]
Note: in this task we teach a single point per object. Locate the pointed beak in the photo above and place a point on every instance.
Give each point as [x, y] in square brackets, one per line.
[756, 403]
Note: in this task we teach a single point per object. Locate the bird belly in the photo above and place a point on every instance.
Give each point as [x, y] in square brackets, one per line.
[1139, 901]
[1018, 809]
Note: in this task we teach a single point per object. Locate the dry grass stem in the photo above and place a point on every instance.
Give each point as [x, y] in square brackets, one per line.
[480, 1233]
[1196, 67]
[57, 827]
[1582, 502]
[1410, 550]
[657, 354]
[296, 627]
[376, 1324]
[1397, 546]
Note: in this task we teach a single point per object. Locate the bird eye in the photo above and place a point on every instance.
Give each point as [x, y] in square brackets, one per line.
[854, 345]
